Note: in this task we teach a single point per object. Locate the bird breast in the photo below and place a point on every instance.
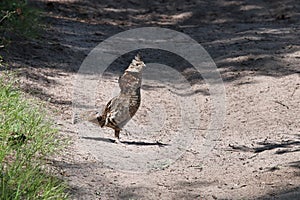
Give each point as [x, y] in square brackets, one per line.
[123, 108]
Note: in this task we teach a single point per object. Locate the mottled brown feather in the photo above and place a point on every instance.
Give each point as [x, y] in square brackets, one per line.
[123, 107]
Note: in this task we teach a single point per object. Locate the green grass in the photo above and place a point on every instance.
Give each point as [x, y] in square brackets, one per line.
[26, 139]
[17, 18]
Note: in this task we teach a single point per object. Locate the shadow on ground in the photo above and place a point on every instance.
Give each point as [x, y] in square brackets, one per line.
[260, 42]
[282, 147]
[137, 143]
[291, 194]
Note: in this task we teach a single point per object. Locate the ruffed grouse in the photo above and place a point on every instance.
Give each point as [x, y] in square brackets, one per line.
[120, 109]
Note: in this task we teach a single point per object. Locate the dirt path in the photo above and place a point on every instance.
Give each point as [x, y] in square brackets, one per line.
[255, 45]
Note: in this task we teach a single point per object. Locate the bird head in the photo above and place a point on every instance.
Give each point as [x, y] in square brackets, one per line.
[136, 65]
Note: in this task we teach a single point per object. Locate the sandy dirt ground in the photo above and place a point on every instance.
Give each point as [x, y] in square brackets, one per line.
[256, 47]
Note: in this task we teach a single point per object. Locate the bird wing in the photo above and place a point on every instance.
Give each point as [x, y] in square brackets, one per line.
[102, 119]
[119, 111]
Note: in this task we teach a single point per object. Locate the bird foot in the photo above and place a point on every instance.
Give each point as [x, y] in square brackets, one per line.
[126, 132]
[117, 141]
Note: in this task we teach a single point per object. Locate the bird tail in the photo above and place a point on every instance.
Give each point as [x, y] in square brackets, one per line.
[90, 116]
[101, 121]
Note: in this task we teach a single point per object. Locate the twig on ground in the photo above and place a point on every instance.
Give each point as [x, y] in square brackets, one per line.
[282, 104]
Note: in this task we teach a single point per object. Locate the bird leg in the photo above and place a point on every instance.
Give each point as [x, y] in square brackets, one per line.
[117, 135]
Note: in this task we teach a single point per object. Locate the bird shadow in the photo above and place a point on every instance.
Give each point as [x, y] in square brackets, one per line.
[137, 143]
[108, 140]
[141, 143]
